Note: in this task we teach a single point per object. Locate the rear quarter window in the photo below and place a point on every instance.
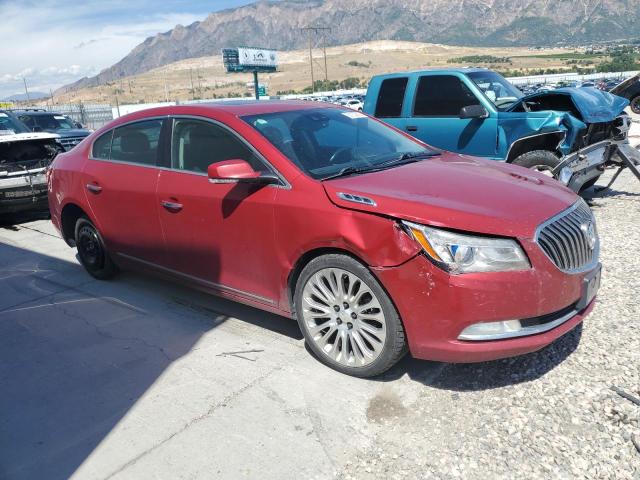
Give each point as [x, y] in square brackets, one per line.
[391, 97]
[102, 146]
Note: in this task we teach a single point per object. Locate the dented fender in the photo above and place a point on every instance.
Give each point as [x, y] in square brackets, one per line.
[515, 127]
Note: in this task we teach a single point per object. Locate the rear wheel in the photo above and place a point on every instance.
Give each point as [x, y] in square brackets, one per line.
[542, 161]
[635, 104]
[346, 317]
[92, 252]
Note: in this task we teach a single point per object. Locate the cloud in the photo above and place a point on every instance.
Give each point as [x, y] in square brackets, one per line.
[54, 42]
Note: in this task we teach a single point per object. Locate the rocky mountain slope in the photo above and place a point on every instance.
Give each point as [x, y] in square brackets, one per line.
[278, 24]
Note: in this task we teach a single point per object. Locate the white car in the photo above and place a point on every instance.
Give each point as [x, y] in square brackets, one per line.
[354, 104]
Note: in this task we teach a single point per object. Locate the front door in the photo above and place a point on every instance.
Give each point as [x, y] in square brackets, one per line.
[220, 234]
[434, 117]
[120, 181]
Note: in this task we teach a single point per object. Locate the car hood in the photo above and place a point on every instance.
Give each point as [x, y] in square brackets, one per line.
[458, 192]
[594, 105]
[25, 137]
[623, 86]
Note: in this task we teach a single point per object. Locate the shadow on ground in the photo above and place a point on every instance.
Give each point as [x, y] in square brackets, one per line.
[487, 375]
[76, 354]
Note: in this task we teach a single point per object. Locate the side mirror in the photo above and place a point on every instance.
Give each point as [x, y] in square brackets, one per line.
[78, 125]
[473, 111]
[238, 171]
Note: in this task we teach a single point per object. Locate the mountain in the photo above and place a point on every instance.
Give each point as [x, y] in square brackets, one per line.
[20, 97]
[278, 24]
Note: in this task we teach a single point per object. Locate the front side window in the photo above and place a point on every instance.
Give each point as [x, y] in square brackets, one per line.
[325, 141]
[496, 88]
[442, 96]
[136, 142]
[391, 97]
[196, 144]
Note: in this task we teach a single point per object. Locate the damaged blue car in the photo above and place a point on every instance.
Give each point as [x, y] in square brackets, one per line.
[568, 133]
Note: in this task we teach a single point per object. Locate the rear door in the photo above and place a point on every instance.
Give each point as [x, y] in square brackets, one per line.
[218, 234]
[121, 176]
[434, 116]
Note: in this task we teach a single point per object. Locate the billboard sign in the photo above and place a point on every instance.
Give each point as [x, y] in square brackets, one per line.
[248, 59]
[257, 57]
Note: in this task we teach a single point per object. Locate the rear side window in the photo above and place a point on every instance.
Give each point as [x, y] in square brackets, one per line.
[442, 96]
[137, 142]
[102, 146]
[391, 97]
[196, 144]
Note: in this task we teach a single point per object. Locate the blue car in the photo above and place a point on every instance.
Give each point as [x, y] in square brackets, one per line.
[567, 133]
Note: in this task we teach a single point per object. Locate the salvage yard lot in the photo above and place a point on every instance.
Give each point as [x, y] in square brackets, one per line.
[141, 378]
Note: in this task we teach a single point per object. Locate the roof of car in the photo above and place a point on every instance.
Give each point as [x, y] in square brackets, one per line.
[36, 112]
[463, 70]
[236, 108]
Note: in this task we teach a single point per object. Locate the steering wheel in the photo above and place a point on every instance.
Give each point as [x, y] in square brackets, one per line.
[337, 153]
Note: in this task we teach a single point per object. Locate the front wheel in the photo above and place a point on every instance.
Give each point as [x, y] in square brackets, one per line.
[346, 317]
[92, 252]
[542, 161]
[635, 104]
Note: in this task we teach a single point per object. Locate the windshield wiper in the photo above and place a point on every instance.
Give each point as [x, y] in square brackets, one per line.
[405, 158]
[346, 171]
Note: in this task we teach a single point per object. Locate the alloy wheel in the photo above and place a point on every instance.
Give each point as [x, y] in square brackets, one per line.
[343, 317]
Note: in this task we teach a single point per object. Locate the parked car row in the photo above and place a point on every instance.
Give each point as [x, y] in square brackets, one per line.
[375, 241]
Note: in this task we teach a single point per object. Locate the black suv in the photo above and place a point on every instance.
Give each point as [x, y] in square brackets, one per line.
[629, 89]
[71, 132]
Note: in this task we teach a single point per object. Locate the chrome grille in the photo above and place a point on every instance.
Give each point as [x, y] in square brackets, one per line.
[570, 239]
[69, 142]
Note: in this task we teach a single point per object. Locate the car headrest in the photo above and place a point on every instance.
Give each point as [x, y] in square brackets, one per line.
[134, 142]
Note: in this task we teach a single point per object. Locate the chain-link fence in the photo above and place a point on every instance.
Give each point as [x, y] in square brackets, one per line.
[91, 116]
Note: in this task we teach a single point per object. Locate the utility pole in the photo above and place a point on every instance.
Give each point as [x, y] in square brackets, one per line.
[51, 93]
[313, 33]
[193, 92]
[26, 90]
[166, 89]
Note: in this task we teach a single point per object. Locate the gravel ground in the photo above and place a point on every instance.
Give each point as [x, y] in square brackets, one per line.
[546, 415]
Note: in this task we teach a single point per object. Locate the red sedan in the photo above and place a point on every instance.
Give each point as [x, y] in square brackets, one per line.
[375, 242]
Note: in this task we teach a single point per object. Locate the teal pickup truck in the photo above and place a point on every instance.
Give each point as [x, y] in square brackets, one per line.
[569, 133]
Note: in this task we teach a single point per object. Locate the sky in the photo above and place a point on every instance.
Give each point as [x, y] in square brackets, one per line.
[54, 42]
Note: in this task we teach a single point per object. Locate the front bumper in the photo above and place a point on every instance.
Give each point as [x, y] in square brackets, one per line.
[23, 193]
[436, 307]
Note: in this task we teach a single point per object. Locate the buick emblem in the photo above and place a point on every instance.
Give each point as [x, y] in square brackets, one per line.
[589, 231]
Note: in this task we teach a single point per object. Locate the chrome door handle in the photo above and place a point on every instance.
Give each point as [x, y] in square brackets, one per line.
[171, 206]
[93, 188]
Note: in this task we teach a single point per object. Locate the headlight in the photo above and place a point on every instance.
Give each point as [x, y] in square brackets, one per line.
[459, 253]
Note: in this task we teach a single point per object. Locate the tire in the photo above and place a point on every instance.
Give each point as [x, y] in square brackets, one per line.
[541, 160]
[364, 336]
[635, 104]
[91, 250]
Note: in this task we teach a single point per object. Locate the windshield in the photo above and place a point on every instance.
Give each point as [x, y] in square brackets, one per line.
[496, 88]
[325, 141]
[54, 122]
[9, 125]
